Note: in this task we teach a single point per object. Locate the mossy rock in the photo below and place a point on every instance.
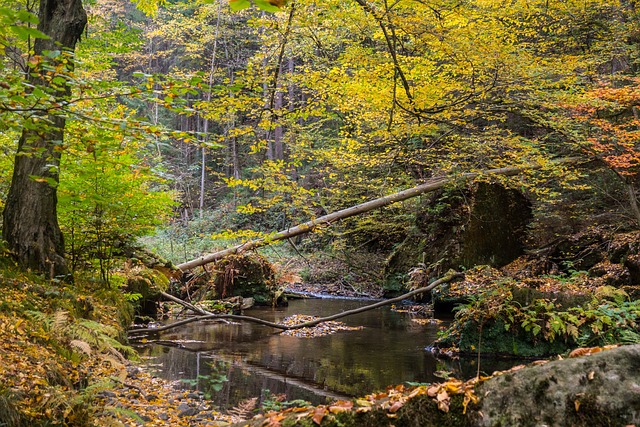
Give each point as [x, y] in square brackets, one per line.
[462, 228]
[246, 276]
[420, 411]
[444, 301]
[147, 282]
[596, 390]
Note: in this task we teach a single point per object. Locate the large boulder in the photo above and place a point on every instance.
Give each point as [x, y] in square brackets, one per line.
[602, 389]
[247, 276]
[483, 225]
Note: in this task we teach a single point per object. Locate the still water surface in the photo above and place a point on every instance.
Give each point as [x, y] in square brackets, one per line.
[233, 362]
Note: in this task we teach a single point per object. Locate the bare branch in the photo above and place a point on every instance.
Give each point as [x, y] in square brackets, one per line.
[447, 278]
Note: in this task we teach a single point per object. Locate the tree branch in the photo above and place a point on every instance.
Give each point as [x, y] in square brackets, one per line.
[431, 185]
[447, 278]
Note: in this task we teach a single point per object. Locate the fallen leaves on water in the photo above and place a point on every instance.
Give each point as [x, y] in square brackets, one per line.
[322, 329]
[426, 321]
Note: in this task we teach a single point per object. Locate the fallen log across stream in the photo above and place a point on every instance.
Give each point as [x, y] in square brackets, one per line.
[432, 185]
[445, 279]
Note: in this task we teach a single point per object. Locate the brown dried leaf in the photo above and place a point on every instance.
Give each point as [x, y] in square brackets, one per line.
[433, 390]
[442, 396]
[443, 406]
[318, 415]
[364, 402]
[396, 406]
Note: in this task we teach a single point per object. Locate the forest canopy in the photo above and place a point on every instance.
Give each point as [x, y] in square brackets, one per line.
[228, 121]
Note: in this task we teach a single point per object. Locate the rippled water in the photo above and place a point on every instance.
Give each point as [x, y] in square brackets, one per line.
[232, 362]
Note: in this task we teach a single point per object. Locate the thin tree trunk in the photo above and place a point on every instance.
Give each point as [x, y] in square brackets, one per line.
[30, 224]
[325, 220]
[203, 160]
[633, 201]
[278, 132]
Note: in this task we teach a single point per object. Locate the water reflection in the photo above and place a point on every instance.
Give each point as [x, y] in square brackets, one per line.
[232, 362]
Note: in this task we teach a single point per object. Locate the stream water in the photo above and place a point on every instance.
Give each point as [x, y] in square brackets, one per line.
[233, 362]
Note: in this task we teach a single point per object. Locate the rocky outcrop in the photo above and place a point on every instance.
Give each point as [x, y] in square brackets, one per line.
[484, 225]
[602, 389]
[245, 275]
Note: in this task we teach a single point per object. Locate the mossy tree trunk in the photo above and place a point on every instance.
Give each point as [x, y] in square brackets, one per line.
[30, 224]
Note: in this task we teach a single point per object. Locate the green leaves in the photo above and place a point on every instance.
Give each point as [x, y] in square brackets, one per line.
[266, 5]
[149, 7]
[270, 5]
[24, 33]
[237, 5]
[19, 23]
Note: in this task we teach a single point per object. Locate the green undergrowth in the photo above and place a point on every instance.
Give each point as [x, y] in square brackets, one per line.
[61, 345]
[511, 318]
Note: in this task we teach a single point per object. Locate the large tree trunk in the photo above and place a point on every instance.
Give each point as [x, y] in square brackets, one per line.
[30, 224]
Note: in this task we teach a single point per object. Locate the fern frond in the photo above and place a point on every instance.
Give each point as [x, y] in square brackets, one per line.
[83, 346]
[99, 328]
[243, 410]
[124, 412]
[40, 318]
[60, 320]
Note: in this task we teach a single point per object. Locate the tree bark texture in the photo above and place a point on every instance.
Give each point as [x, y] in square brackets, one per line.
[30, 224]
[326, 220]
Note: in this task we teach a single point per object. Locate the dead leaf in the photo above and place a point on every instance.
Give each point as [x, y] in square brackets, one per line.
[337, 409]
[318, 415]
[580, 352]
[347, 404]
[443, 406]
[433, 391]
[274, 421]
[418, 391]
[396, 407]
[363, 402]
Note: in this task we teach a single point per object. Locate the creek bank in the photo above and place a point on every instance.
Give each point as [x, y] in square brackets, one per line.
[538, 316]
[144, 399]
[331, 290]
[601, 388]
[580, 290]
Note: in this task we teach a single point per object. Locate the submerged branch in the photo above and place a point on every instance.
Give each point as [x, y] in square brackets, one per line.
[447, 278]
